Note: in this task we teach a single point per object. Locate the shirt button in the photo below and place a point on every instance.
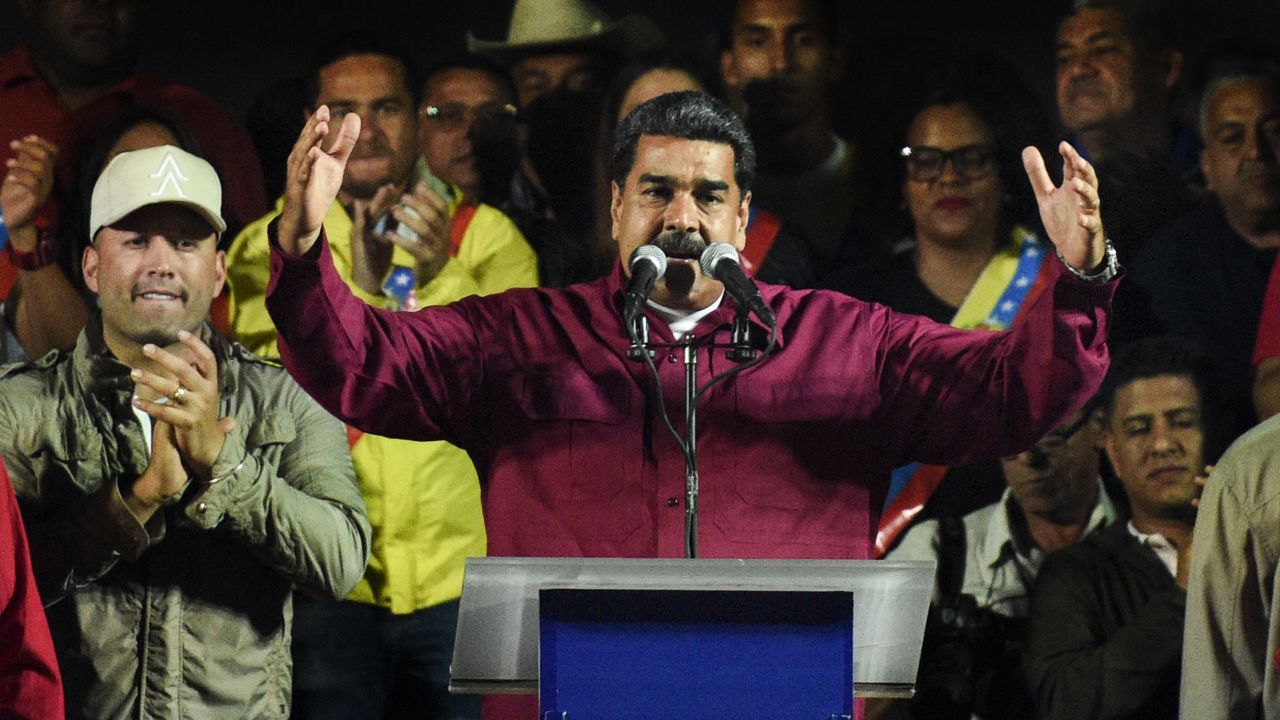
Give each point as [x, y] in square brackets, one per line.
[201, 507]
[672, 358]
[673, 501]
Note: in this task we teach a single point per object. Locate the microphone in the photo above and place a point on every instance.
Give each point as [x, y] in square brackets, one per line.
[648, 263]
[720, 261]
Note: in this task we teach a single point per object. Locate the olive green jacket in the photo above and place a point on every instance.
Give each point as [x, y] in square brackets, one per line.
[188, 616]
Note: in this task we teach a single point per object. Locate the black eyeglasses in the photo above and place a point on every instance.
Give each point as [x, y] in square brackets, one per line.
[455, 116]
[1058, 438]
[925, 164]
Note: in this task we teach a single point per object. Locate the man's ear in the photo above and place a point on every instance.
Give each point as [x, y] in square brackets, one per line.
[220, 270]
[615, 207]
[729, 69]
[1108, 446]
[89, 266]
[744, 217]
[1171, 61]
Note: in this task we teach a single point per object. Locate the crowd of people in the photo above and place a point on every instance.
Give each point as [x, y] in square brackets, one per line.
[249, 440]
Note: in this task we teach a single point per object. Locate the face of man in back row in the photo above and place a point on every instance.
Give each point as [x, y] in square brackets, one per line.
[452, 99]
[1104, 77]
[680, 195]
[375, 87]
[781, 61]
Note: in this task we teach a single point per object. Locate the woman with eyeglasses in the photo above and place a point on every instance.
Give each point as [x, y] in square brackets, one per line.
[963, 239]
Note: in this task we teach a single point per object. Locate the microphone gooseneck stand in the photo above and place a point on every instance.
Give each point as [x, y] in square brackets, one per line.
[739, 350]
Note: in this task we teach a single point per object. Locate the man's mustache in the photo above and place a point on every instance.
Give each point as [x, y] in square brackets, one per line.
[680, 243]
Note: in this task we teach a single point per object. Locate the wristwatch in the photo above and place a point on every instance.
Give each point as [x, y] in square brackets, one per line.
[1105, 271]
[41, 256]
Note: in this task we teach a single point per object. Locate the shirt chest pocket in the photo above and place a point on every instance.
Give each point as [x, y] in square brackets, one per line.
[580, 436]
[66, 464]
[268, 435]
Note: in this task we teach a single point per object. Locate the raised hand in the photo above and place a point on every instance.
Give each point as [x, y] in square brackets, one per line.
[190, 402]
[1071, 212]
[27, 184]
[313, 178]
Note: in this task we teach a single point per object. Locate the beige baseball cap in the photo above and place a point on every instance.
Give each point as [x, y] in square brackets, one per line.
[163, 174]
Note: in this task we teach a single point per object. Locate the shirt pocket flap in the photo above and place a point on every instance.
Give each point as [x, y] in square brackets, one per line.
[570, 393]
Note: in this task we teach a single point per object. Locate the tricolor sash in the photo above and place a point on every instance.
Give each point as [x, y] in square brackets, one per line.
[1009, 279]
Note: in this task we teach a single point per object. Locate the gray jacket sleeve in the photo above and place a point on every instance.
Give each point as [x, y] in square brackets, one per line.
[289, 491]
[1232, 631]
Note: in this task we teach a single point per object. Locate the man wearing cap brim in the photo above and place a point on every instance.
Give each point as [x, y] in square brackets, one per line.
[175, 487]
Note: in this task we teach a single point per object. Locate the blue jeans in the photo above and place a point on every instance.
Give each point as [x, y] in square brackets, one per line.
[352, 660]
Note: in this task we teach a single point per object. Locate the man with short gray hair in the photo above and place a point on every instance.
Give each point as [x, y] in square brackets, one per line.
[176, 488]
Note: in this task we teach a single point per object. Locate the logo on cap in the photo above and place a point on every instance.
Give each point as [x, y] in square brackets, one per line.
[170, 174]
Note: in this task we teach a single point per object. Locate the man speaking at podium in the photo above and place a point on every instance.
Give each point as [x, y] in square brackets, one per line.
[567, 434]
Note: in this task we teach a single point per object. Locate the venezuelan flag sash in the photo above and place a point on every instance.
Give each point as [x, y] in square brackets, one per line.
[1012, 276]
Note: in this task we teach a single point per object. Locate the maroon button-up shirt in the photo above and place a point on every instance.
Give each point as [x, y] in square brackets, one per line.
[794, 454]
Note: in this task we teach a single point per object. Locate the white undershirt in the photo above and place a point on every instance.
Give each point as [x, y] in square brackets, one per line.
[1159, 544]
[145, 421]
[680, 321]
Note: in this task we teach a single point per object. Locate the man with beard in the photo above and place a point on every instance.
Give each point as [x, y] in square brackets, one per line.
[385, 650]
[566, 429]
[780, 61]
[1206, 273]
[1106, 613]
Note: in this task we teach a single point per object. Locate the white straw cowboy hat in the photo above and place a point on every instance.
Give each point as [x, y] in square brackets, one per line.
[539, 26]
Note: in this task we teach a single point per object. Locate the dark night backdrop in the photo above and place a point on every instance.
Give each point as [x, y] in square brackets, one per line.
[233, 48]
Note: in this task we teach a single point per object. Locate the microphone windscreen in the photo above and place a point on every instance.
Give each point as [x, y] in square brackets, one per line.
[651, 254]
[714, 254]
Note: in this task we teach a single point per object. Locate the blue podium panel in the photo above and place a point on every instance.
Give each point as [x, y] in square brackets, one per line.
[715, 654]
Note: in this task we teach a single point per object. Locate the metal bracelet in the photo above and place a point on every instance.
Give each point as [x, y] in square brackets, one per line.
[1106, 270]
[229, 473]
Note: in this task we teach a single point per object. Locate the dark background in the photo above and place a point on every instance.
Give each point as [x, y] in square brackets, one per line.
[231, 49]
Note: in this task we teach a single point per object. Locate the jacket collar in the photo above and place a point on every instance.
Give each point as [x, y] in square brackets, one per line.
[99, 372]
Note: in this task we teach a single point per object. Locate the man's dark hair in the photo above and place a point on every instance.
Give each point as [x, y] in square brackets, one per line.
[828, 13]
[1146, 21]
[468, 61]
[1168, 355]
[362, 42]
[689, 115]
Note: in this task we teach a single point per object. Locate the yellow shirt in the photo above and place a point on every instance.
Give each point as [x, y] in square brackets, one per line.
[423, 498]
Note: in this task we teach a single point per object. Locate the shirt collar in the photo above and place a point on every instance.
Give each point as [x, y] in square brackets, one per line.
[721, 314]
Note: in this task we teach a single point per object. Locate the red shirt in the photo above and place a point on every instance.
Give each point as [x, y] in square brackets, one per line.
[794, 454]
[30, 685]
[29, 105]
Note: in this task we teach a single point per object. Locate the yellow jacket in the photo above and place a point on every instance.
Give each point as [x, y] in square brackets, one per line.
[423, 498]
